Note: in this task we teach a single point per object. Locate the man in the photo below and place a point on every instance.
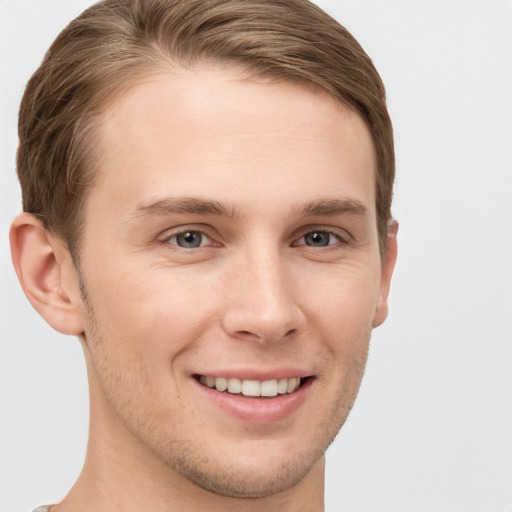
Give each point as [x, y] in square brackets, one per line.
[207, 189]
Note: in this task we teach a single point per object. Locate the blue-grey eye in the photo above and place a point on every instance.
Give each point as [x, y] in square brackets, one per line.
[189, 239]
[319, 239]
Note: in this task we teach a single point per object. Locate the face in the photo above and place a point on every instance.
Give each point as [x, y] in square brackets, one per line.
[230, 241]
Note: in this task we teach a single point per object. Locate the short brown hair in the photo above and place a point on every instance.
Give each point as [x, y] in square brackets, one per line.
[115, 42]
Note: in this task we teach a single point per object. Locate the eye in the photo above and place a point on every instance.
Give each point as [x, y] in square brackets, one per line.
[319, 238]
[189, 239]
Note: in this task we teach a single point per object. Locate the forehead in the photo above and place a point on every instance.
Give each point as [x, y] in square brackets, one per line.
[213, 130]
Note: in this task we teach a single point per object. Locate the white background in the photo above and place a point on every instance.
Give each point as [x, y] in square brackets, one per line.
[432, 428]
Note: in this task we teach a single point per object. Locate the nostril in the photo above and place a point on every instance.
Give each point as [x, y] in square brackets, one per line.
[249, 334]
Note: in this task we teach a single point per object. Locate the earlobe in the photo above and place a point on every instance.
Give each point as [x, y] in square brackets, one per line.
[387, 267]
[41, 269]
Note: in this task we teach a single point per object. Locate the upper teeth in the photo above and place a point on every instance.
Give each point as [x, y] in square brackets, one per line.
[250, 387]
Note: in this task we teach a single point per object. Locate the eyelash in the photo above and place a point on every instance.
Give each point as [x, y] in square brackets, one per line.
[342, 241]
[331, 233]
[196, 231]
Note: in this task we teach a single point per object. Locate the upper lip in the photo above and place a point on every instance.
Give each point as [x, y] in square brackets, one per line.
[255, 373]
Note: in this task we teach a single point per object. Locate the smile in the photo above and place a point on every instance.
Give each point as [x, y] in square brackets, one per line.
[257, 401]
[250, 387]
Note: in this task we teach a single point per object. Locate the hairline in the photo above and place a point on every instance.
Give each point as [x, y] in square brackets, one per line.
[165, 65]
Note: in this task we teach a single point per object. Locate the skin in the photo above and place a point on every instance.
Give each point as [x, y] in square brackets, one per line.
[285, 166]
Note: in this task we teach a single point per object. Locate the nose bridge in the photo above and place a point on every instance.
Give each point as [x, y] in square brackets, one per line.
[263, 304]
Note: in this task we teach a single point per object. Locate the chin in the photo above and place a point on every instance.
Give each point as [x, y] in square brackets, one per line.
[256, 463]
[248, 480]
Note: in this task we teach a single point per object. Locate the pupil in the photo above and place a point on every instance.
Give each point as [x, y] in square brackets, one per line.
[318, 238]
[190, 240]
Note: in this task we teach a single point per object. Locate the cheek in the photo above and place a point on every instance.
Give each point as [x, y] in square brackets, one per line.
[152, 315]
[345, 299]
[341, 317]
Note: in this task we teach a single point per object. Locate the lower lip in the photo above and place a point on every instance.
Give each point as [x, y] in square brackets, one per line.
[258, 410]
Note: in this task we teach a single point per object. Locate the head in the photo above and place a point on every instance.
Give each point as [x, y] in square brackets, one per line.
[212, 188]
[116, 44]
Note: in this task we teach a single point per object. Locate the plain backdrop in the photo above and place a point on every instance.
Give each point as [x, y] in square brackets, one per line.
[432, 427]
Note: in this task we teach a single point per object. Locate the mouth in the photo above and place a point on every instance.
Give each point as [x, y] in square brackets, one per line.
[252, 388]
[256, 401]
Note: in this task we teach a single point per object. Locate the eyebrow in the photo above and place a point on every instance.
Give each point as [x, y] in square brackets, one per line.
[185, 205]
[199, 206]
[327, 207]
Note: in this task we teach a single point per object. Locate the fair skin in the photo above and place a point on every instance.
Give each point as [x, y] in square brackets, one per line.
[232, 235]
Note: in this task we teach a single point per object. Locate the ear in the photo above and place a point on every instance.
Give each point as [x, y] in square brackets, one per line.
[47, 274]
[387, 267]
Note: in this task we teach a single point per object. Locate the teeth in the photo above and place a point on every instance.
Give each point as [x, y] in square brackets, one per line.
[251, 387]
[248, 387]
[221, 384]
[234, 386]
[269, 388]
[292, 384]
[282, 386]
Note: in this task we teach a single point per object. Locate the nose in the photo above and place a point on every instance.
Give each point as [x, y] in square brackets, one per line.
[262, 302]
